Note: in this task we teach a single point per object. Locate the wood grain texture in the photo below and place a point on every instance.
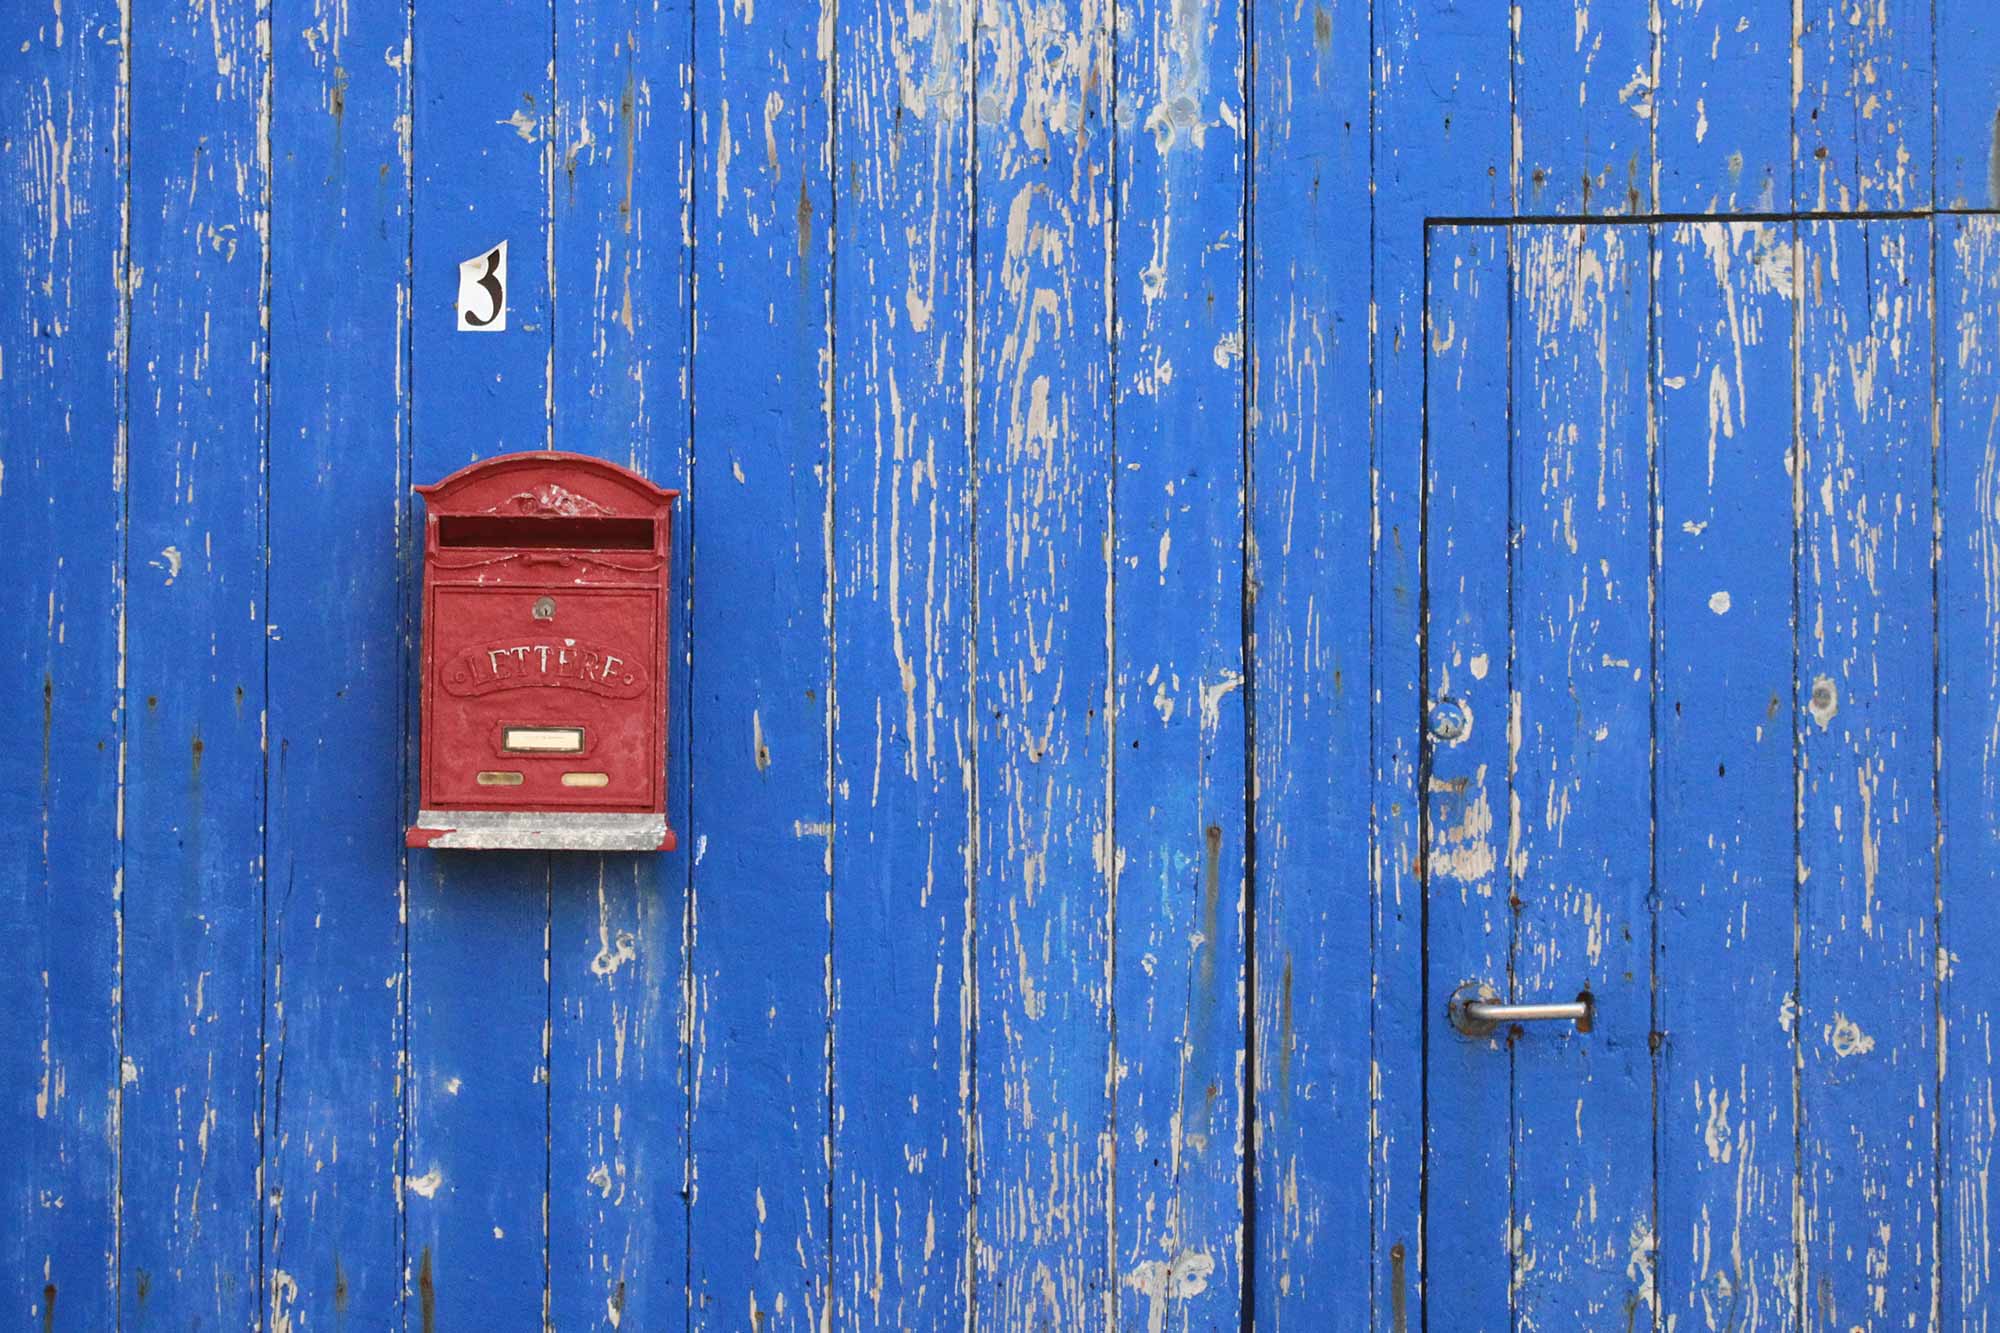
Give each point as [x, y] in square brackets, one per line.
[1723, 107]
[1725, 1125]
[1468, 779]
[1045, 852]
[1862, 117]
[760, 532]
[1308, 345]
[903, 732]
[1583, 104]
[621, 306]
[1968, 357]
[62, 525]
[336, 907]
[1580, 735]
[1965, 80]
[1437, 149]
[1178, 796]
[475, 1183]
[1867, 931]
[196, 610]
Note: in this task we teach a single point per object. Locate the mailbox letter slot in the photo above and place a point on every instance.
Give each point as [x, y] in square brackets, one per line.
[545, 606]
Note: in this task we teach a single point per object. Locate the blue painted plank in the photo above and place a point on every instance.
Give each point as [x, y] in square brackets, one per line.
[618, 1077]
[1438, 149]
[1725, 1127]
[1867, 943]
[1044, 1079]
[1178, 493]
[1862, 111]
[902, 611]
[333, 983]
[1965, 46]
[761, 527]
[1308, 549]
[1467, 779]
[1723, 110]
[1581, 758]
[62, 537]
[1968, 288]
[1584, 79]
[194, 674]
[476, 1174]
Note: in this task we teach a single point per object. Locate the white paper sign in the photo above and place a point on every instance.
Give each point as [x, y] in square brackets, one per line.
[482, 292]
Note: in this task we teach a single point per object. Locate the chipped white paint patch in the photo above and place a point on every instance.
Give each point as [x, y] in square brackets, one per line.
[1847, 1038]
[1718, 602]
[1163, 1280]
[426, 1185]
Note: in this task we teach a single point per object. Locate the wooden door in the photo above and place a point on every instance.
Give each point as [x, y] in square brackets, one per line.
[1679, 657]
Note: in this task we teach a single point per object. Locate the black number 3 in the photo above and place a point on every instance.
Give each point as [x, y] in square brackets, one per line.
[491, 282]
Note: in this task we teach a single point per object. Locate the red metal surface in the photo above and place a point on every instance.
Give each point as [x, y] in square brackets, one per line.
[544, 623]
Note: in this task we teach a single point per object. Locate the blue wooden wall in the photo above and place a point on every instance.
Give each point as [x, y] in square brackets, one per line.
[1110, 432]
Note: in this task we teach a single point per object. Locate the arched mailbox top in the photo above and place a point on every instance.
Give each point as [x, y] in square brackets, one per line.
[547, 484]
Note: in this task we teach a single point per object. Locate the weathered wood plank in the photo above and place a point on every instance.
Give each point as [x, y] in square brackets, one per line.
[1467, 778]
[1580, 833]
[194, 671]
[1179, 796]
[1308, 549]
[761, 527]
[903, 615]
[618, 1080]
[1438, 150]
[1862, 104]
[477, 1065]
[62, 500]
[1968, 293]
[1725, 1128]
[1965, 52]
[1723, 109]
[1584, 76]
[1044, 1082]
[1867, 945]
[333, 983]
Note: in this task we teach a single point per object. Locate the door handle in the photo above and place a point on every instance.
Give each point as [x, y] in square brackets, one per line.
[1477, 1011]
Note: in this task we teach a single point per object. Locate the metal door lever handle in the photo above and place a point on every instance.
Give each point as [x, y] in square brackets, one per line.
[1482, 1011]
[1477, 1011]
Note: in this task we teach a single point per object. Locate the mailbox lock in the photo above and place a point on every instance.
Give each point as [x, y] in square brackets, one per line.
[544, 608]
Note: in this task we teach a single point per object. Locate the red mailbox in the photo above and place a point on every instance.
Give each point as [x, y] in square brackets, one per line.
[545, 667]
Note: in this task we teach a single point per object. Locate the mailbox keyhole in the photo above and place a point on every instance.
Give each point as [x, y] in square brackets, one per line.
[545, 608]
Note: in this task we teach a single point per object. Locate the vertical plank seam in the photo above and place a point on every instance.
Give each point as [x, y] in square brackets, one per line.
[969, 958]
[265, 1242]
[1940, 965]
[690, 247]
[1423, 766]
[1659, 43]
[407, 608]
[1378, 1179]
[121, 474]
[1106, 40]
[1246, 1146]
[1800, 1257]
[1939, 956]
[829, 401]
[1655, 560]
[1514, 1230]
